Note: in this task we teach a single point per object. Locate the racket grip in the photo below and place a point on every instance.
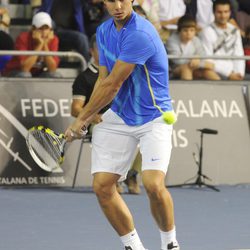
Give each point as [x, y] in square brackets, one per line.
[84, 130]
[82, 133]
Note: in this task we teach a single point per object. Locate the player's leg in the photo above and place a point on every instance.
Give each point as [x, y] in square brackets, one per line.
[112, 151]
[111, 202]
[162, 207]
[156, 148]
[160, 199]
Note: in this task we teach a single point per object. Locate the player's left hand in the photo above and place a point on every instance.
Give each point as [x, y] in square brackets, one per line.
[77, 130]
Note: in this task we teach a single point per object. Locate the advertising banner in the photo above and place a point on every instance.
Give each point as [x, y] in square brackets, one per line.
[24, 104]
[215, 105]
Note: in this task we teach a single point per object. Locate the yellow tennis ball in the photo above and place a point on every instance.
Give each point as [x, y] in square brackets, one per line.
[169, 117]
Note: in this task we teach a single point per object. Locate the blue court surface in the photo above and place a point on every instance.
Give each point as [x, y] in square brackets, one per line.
[66, 219]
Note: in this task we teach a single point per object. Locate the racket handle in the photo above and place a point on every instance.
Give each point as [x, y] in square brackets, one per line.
[84, 130]
[82, 133]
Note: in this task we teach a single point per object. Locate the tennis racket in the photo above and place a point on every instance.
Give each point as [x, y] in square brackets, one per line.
[46, 147]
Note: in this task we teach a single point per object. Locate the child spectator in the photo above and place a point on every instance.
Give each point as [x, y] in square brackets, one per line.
[186, 43]
[40, 38]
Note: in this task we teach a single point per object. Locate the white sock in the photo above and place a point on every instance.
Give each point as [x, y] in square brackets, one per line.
[131, 241]
[167, 237]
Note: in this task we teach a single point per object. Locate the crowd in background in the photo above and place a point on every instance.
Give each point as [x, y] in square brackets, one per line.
[187, 28]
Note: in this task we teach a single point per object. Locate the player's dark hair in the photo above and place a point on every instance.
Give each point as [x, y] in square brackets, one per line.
[186, 21]
[221, 2]
[92, 42]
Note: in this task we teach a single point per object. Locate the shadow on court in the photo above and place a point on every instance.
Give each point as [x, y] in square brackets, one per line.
[66, 219]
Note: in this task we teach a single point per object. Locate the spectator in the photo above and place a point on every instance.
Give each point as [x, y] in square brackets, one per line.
[40, 38]
[151, 8]
[202, 11]
[4, 19]
[68, 18]
[242, 14]
[94, 14]
[186, 43]
[247, 48]
[6, 43]
[170, 11]
[221, 38]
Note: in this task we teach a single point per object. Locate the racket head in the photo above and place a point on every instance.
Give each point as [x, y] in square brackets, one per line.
[46, 147]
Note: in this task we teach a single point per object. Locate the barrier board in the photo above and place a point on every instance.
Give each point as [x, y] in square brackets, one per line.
[219, 106]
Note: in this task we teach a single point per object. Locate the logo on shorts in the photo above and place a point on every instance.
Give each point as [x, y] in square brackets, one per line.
[128, 248]
[155, 159]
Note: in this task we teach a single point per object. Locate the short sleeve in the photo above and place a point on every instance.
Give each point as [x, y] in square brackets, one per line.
[78, 88]
[99, 41]
[137, 47]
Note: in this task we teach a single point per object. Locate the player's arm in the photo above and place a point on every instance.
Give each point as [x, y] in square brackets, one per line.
[77, 106]
[107, 89]
[104, 92]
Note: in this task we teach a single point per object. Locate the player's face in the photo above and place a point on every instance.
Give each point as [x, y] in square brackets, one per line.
[119, 9]
[222, 14]
[187, 34]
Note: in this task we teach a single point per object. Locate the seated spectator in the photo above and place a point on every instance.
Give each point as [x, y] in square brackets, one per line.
[201, 11]
[40, 38]
[94, 14]
[186, 43]
[247, 48]
[68, 18]
[169, 13]
[242, 14]
[6, 43]
[150, 10]
[4, 19]
[221, 38]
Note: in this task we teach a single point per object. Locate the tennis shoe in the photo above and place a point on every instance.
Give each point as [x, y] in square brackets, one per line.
[173, 246]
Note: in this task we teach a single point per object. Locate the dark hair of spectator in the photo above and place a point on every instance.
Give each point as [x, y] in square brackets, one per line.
[186, 21]
[92, 43]
[6, 42]
[221, 2]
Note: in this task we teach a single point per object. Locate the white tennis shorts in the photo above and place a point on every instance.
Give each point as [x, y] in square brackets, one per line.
[114, 145]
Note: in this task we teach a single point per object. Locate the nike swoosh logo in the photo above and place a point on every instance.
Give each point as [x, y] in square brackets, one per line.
[155, 159]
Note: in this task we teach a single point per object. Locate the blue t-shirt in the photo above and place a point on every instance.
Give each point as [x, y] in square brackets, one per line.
[145, 94]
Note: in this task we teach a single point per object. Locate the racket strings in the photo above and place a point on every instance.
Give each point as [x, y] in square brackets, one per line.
[51, 152]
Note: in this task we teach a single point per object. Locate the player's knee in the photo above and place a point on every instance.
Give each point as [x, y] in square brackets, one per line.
[102, 190]
[154, 189]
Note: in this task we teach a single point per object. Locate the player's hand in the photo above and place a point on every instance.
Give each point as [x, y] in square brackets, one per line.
[97, 119]
[77, 130]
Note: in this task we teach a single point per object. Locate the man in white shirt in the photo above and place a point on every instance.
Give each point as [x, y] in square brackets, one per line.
[223, 39]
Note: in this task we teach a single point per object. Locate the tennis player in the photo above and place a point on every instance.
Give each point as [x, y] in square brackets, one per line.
[133, 72]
